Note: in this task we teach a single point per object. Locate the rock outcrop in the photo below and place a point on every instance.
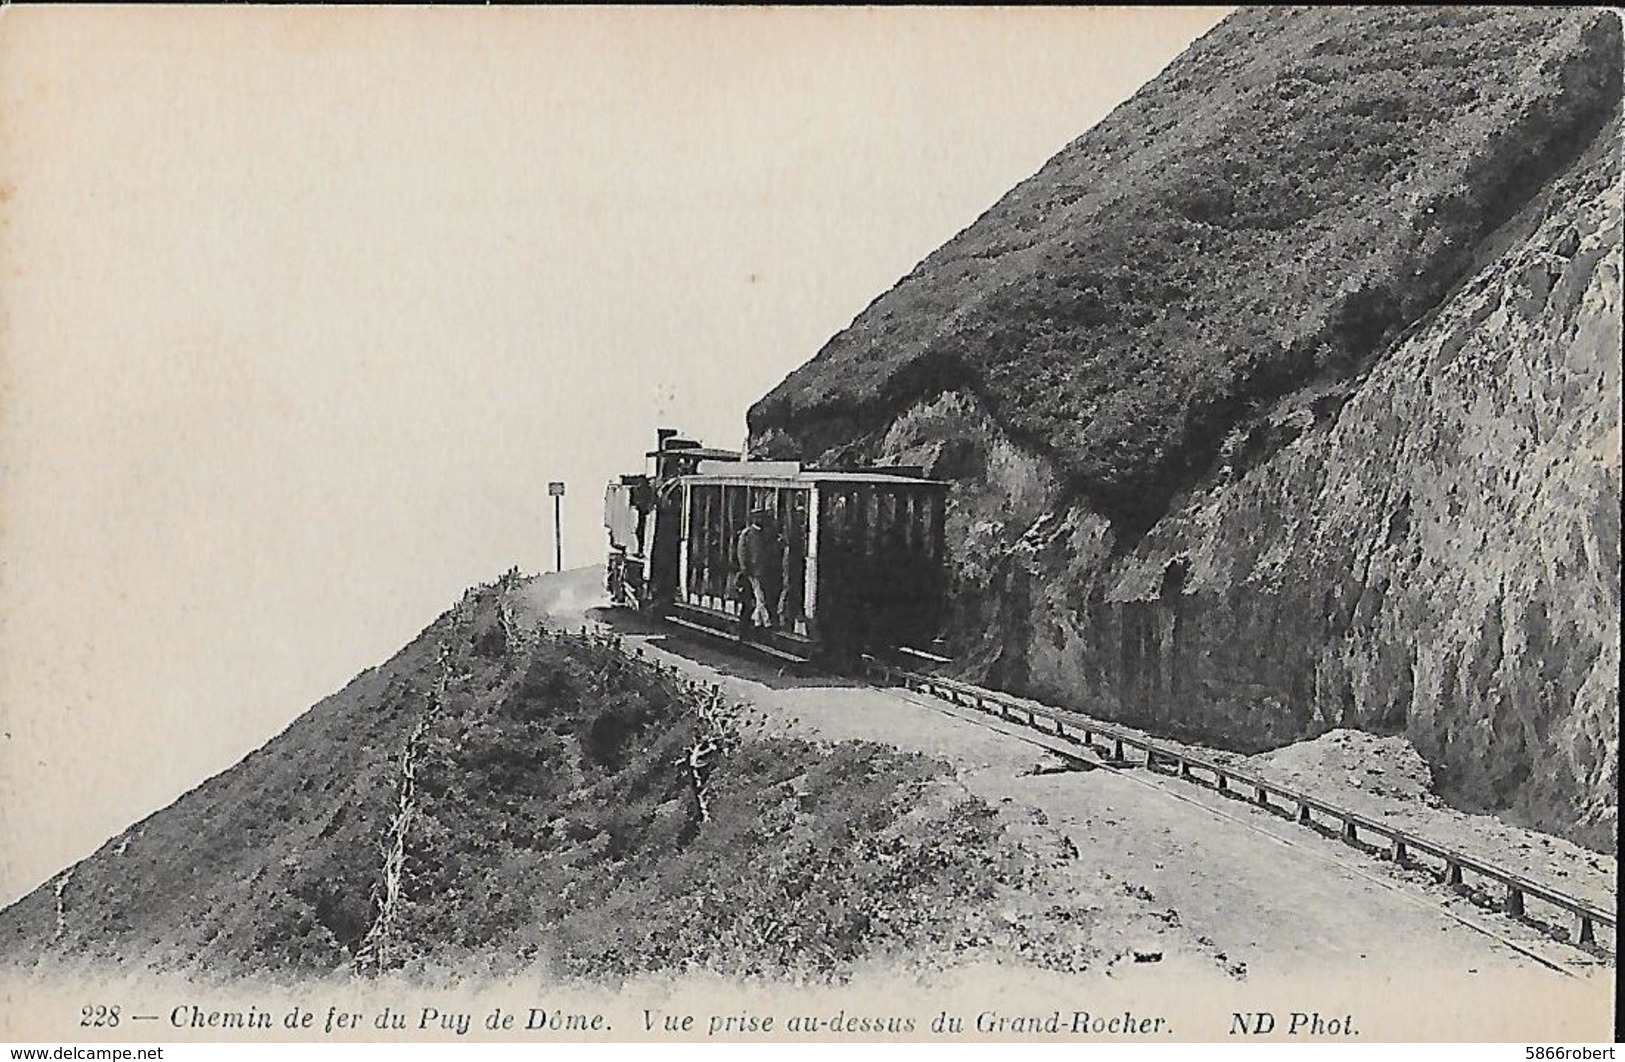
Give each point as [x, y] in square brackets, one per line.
[1417, 533]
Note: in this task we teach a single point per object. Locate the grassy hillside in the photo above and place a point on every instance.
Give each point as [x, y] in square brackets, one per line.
[551, 822]
[562, 828]
[1282, 202]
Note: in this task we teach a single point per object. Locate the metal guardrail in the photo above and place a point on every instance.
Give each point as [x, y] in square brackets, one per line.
[1402, 847]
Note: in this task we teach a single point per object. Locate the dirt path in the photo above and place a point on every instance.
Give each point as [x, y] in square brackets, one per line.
[1260, 895]
[1269, 895]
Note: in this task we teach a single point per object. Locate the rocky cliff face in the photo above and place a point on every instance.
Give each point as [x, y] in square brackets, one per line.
[1436, 553]
[1422, 538]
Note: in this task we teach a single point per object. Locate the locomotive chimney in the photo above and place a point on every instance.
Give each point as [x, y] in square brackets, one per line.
[663, 434]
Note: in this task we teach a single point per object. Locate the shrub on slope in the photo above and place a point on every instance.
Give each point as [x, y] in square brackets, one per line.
[561, 830]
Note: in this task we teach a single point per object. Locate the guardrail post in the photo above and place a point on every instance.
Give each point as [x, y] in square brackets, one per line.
[1398, 853]
[1349, 833]
[1117, 749]
[1303, 814]
[1184, 769]
[1223, 782]
[1261, 796]
[1584, 932]
[1452, 874]
[1513, 904]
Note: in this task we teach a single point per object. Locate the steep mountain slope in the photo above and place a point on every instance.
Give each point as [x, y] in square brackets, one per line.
[1287, 399]
[494, 799]
[1283, 200]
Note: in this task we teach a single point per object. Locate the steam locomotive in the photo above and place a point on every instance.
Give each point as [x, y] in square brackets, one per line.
[803, 563]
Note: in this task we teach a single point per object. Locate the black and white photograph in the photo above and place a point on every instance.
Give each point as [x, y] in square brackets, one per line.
[809, 525]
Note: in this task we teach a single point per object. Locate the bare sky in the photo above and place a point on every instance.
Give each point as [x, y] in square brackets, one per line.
[301, 309]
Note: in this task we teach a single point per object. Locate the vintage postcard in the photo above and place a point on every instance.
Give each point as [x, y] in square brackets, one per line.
[699, 524]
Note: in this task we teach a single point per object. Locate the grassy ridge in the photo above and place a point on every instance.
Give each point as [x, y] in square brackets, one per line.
[1284, 200]
[553, 827]
[561, 830]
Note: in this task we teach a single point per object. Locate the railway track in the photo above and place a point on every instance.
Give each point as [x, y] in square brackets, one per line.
[1496, 892]
[1160, 767]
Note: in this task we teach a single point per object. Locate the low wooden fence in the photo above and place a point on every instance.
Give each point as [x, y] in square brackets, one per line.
[1453, 868]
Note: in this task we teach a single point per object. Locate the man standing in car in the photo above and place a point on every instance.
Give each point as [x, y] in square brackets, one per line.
[758, 553]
